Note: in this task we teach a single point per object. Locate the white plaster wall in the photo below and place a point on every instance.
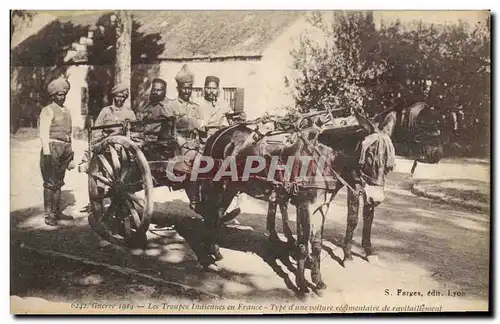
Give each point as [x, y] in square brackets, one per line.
[76, 76]
[276, 65]
[231, 74]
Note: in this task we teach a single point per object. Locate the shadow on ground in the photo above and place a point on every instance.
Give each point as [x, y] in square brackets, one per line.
[447, 246]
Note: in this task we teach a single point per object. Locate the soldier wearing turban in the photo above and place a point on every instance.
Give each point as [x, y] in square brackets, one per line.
[214, 110]
[113, 114]
[117, 112]
[188, 121]
[188, 114]
[56, 155]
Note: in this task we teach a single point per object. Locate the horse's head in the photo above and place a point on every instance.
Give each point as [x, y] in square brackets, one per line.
[427, 136]
[376, 158]
[419, 129]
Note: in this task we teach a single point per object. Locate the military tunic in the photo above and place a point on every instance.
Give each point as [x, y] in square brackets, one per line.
[189, 117]
[156, 111]
[214, 113]
[113, 115]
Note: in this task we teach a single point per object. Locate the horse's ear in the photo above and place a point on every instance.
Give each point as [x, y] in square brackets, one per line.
[364, 122]
[387, 126]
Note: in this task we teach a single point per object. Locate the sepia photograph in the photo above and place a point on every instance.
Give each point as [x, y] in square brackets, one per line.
[233, 162]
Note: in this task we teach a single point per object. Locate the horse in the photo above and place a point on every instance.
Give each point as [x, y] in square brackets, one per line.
[454, 131]
[415, 132]
[355, 147]
[310, 197]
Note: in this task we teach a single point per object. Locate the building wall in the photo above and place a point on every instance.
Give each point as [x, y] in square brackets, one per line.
[29, 96]
[231, 74]
[276, 75]
[77, 78]
[263, 80]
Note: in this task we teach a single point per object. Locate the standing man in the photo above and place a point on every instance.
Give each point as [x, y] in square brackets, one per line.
[114, 114]
[188, 115]
[56, 155]
[188, 120]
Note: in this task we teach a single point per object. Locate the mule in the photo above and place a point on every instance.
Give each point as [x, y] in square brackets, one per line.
[311, 197]
[415, 132]
[368, 155]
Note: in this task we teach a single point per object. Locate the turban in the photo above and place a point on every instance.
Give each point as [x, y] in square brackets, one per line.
[184, 75]
[158, 80]
[119, 89]
[58, 85]
[211, 78]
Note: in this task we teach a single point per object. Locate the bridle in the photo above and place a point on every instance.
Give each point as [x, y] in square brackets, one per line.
[384, 146]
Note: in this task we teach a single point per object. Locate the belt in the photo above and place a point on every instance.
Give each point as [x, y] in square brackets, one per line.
[189, 134]
[59, 140]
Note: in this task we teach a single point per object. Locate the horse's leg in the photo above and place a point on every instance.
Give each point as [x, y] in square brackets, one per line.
[303, 246]
[225, 200]
[413, 168]
[352, 222]
[214, 247]
[271, 221]
[366, 242]
[286, 222]
[317, 225]
[210, 222]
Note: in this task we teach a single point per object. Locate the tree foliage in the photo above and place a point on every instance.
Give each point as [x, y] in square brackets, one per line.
[372, 68]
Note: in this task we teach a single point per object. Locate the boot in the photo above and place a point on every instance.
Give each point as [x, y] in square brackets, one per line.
[193, 193]
[56, 210]
[48, 202]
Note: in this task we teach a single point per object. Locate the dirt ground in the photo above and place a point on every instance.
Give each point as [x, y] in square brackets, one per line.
[425, 248]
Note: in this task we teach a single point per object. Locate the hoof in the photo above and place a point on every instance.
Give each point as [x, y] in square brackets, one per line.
[303, 293]
[218, 256]
[373, 259]
[321, 286]
[348, 262]
[320, 289]
[51, 221]
[211, 268]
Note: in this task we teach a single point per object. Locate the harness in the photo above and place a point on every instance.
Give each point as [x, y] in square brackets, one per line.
[284, 126]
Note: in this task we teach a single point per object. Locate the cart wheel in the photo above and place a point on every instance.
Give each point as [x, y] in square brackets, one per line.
[117, 171]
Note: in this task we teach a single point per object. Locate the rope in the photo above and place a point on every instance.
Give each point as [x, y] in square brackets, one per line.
[331, 169]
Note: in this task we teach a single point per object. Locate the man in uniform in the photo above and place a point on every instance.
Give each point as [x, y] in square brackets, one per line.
[156, 108]
[56, 155]
[214, 111]
[188, 115]
[158, 101]
[188, 121]
[114, 114]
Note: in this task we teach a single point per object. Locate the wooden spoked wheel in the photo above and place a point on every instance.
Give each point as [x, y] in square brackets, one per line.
[117, 171]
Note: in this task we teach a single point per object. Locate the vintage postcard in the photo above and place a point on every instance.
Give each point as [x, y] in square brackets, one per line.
[250, 162]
